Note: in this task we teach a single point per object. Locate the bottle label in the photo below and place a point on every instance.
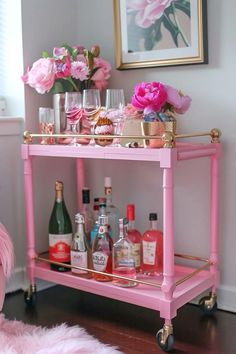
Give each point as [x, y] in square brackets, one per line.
[136, 252]
[149, 252]
[59, 247]
[79, 259]
[100, 261]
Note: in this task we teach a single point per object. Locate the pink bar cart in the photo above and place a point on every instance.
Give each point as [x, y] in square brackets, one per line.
[179, 283]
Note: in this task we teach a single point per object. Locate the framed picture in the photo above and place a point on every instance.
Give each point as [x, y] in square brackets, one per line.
[160, 33]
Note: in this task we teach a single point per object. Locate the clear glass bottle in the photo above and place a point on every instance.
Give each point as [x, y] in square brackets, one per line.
[101, 211]
[152, 248]
[111, 210]
[134, 236]
[80, 249]
[60, 231]
[102, 251]
[87, 212]
[122, 258]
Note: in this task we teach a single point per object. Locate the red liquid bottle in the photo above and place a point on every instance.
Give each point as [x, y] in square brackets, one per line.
[152, 248]
[134, 236]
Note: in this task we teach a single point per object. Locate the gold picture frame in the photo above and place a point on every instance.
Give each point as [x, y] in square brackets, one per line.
[173, 35]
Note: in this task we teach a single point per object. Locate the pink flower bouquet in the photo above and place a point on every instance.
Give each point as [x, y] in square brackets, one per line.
[161, 99]
[68, 69]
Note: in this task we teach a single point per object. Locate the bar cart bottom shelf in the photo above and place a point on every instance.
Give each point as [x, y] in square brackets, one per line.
[142, 295]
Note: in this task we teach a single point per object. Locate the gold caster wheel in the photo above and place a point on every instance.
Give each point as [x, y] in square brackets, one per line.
[30, 295]
[165, 338]
[208, 304]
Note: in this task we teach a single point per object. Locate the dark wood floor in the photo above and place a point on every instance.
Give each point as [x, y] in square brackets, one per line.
[129, 327]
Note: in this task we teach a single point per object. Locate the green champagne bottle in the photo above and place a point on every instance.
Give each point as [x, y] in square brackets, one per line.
[60, 231]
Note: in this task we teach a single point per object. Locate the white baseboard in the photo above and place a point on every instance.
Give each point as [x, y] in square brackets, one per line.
[226, 295]
[18, 281]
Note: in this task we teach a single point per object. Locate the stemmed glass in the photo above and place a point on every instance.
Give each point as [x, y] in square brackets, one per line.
[74, 112]
[115, 103]
[91, 107]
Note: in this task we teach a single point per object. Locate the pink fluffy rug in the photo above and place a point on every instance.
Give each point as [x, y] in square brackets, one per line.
[19, 338]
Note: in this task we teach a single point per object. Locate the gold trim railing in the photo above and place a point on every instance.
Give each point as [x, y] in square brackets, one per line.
[167, 137]
[138, 281]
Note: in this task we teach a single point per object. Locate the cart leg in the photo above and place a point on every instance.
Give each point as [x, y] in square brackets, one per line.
[165, 338]
[30, 231]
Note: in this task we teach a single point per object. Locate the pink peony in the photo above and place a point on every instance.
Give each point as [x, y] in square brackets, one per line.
[79, 70]
[149, 97]
[179, 102]
[103, 69]
[148, 11]
[102, 74]
[42, 75]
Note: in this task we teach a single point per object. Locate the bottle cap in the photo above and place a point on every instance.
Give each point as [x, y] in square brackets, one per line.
[103, 220]
[131, 212]
[107, 181]
[79, 219]
[85, 195]
[153, 216]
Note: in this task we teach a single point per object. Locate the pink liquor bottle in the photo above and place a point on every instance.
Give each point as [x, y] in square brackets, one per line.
[152, 248]
[134, 236]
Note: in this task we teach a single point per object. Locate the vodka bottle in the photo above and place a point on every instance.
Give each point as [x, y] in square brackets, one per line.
[111, 210]
[134, 236]
[80, 249]
[123, 261]
[102, 251]
[152, 248]
[60, 231]
[87, 212]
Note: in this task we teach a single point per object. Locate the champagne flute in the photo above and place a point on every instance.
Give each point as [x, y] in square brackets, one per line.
[91, 106]
[46, 124]
[74, 112]
[114, 104]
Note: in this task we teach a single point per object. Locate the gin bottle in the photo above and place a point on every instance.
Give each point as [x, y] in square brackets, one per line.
[111, 210]
[123, 261]
[102, 251]
[152, 248]
[60, 231]
[80, 249]
[134, 236]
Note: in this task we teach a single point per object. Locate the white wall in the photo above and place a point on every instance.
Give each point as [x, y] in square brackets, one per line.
[212, 90]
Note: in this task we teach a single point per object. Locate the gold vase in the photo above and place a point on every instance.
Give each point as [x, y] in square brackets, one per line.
[156, 129]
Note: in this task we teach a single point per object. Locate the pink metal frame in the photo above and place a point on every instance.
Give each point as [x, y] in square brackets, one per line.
[169, 297]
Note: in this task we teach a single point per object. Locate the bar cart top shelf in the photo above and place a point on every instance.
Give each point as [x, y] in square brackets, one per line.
[172, 151]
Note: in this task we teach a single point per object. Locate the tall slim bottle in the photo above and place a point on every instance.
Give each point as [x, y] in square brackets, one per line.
[80, 249]
[87, 212]
[122, 258]
[102, 251]
[152, 248]
[111, 210]
[60, 231]
[134, 236]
